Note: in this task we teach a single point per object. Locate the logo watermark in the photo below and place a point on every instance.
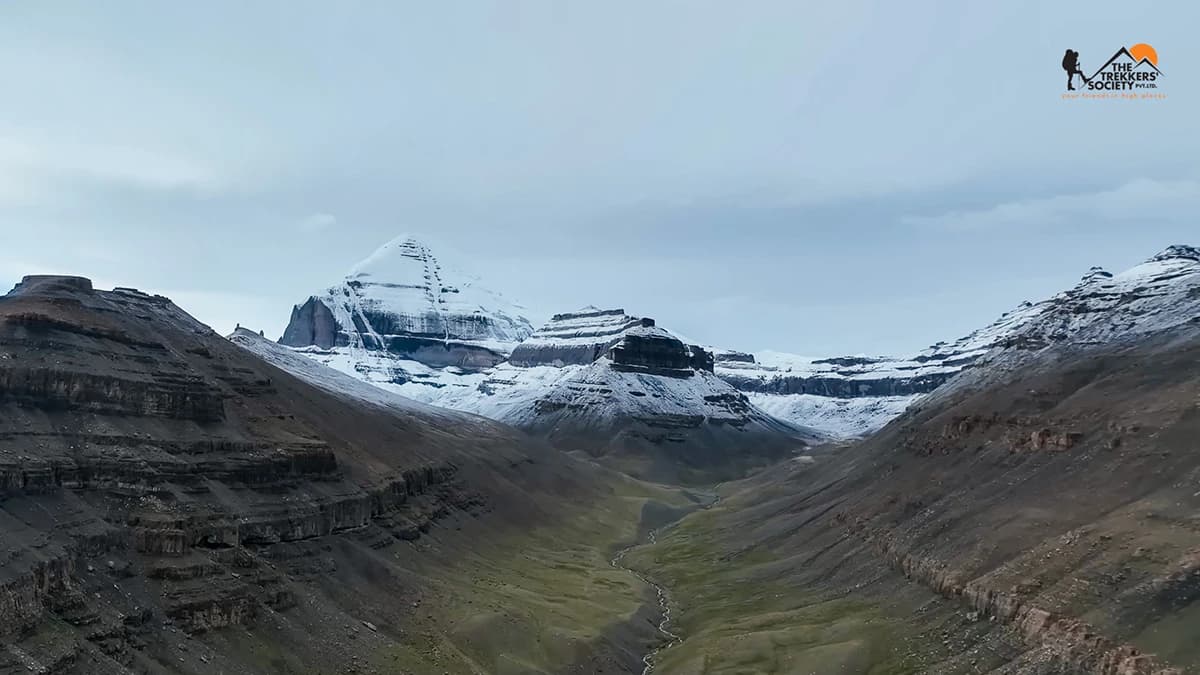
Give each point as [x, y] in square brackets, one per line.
[1131, 73]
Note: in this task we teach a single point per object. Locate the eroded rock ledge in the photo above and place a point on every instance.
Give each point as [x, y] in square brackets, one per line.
[1073, 641]
[153, 474]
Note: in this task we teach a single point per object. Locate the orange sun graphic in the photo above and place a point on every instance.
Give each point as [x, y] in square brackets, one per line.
[1144, 51]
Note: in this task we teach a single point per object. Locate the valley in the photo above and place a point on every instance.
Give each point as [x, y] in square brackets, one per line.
[172, 503]
[177, 502]
[1033, 518]
[598, 338]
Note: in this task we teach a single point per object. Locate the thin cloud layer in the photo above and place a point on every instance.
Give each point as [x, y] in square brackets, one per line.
[317, 222]
[1138, 200]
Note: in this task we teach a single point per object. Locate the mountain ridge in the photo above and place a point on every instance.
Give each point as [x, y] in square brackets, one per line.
[838, 397]
[853, 396]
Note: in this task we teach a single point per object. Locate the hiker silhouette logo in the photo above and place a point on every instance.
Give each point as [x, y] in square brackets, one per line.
[1130, 69]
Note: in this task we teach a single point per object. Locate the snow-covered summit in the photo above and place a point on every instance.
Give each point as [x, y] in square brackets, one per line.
[1158, 294]
[1177, 252]
[403, 301]
[405, 276]
[858, 394]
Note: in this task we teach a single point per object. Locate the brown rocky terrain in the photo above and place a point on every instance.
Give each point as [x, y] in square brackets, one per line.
[1039, 518]
[171, 503]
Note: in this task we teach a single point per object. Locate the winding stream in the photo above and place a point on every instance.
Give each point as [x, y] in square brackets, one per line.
[664, 601]
[664, 604]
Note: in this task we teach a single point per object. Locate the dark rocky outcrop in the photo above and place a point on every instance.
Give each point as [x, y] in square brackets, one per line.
[701, 358]
[576, 338]
[633, 344]
[312, 323]
[656, 352]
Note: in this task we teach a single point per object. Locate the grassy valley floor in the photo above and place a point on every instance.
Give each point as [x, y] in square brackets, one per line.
[550, 601]
[746, 605]
[546, 600]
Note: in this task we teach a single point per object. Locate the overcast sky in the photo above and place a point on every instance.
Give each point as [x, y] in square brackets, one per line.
[813, 177]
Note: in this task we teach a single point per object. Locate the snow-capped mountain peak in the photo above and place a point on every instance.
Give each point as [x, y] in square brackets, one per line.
[1162, 292]
[405, 277]
[856, 395]
[1177, 252]
[402, 301]
[405, 320]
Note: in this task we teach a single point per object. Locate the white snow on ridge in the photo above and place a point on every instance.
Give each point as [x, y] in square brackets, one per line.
[510, 393]
[566, 362]
[404, 321]
[838, 417]
[514, 394]
[404, 278]
[586, 326]
[404, 299]
[769, 363]
[595, 391]
[411, 379]
[1158, 294]
[329, 379]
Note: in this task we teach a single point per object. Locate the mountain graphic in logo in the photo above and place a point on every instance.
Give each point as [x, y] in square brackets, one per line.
[1124, 56]
[1129, 69]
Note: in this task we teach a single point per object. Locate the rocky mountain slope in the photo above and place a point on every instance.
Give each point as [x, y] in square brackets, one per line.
[1035, 515]
[616, 387]
[171, 502]
[1102, 309]
[632, 393]
[856, 395]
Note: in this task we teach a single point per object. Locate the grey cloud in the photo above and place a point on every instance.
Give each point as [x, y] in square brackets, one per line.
[1142, 199]
[317, 222]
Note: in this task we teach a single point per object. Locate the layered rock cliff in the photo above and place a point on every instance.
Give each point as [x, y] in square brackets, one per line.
[158, 482]
[575, 338]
